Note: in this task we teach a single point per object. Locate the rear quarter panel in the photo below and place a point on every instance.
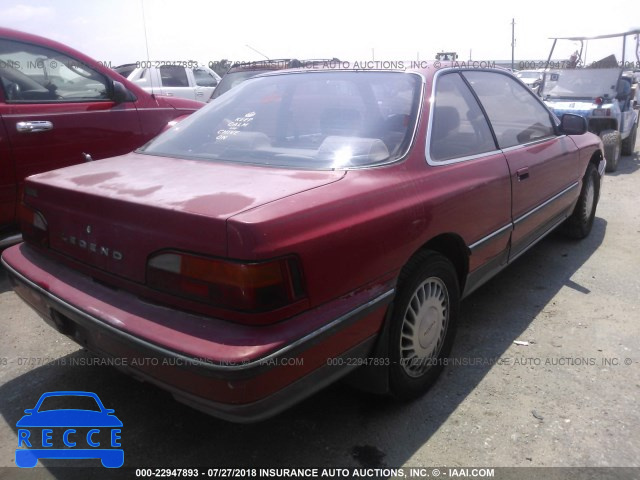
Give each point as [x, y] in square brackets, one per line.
[368, 225]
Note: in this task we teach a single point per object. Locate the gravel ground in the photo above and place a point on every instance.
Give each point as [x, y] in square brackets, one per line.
[567, 398]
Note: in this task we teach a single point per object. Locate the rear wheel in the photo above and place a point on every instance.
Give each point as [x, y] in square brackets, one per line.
[612, 147]
[423, 324]
[629, 143]
[579, 224]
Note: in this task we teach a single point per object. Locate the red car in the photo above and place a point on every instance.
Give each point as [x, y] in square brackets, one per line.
[304, 224]
[59, 107]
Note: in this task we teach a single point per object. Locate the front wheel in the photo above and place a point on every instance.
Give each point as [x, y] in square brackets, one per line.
[423, 324]
[579, 224]
[612, 146]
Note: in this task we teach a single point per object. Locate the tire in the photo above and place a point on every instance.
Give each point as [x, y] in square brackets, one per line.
[579, 224]
[629, 143]
[423, 324]
[612, 147]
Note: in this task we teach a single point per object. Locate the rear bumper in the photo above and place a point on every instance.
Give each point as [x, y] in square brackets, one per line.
[235, 372]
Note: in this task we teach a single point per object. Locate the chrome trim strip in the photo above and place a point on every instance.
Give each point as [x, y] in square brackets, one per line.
[362, 309]
[474, 245]
[533, 142]
[547, 202]
[540, 237]
[10, 240]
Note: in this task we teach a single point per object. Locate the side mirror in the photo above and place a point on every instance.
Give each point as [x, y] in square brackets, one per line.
[120, 93]
[29, 411]
[571, 124]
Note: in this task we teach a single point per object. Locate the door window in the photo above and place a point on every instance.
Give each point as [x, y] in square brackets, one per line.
[459, 128]
[34, 74]
[173, 76]
[515, 114]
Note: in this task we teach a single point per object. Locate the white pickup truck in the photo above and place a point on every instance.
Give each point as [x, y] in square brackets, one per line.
[172, 80]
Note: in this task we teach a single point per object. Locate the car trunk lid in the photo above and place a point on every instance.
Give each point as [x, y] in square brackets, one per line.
[112, 214]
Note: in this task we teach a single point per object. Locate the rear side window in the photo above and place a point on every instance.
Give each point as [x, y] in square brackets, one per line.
[33, 74]
[515, 115]
[173, 76]
[459, 128]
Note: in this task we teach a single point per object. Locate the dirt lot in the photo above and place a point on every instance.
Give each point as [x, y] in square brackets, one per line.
[568, 398]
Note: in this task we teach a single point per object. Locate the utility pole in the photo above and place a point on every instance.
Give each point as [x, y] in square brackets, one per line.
[513, 41]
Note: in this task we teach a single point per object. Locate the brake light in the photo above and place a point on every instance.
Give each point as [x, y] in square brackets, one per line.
[248, 287]
[33, 226]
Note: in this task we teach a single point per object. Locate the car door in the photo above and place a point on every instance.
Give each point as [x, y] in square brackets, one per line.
[58, 111]
[7, 179]
[174, 82]
[469, 169]
[205, 81]
[542, 165]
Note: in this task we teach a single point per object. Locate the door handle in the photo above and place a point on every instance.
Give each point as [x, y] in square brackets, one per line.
[199, 94]
[34, 126]
[168, 94]
[522, 174]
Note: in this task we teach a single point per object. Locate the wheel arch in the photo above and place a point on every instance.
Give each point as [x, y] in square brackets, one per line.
[599, 125]
[452, 246]
[596, 157]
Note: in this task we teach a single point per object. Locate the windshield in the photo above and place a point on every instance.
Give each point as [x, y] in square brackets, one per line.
[581, 83]
[310, 120]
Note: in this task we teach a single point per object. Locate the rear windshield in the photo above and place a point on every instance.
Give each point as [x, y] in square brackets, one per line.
[310, 120]
[234, 79]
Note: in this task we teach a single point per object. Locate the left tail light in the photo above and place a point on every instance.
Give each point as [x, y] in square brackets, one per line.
[33, 226]
[239, 286]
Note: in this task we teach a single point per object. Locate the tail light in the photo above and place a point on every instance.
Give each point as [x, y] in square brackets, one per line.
[33, 226]
[248, 287]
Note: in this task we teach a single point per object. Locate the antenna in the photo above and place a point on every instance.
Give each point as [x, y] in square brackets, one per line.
[260, 53]
[513, 41]
[144, 26]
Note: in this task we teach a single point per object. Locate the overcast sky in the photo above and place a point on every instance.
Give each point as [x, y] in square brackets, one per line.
[113, 30]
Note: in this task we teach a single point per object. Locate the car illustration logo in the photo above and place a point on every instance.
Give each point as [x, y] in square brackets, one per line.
[69, 425]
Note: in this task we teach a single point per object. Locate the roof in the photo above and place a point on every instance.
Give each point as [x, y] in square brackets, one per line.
[597, 37]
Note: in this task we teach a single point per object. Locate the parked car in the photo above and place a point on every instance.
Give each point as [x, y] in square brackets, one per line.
[597, 91]
[172, 80]
[59, 107]
[306, 224]
[242, 71]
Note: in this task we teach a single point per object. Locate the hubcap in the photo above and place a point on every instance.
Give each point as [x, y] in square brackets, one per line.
[424, 326]
[590, 195]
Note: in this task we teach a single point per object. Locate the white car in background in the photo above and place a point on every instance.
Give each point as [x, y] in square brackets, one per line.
[172, 80]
